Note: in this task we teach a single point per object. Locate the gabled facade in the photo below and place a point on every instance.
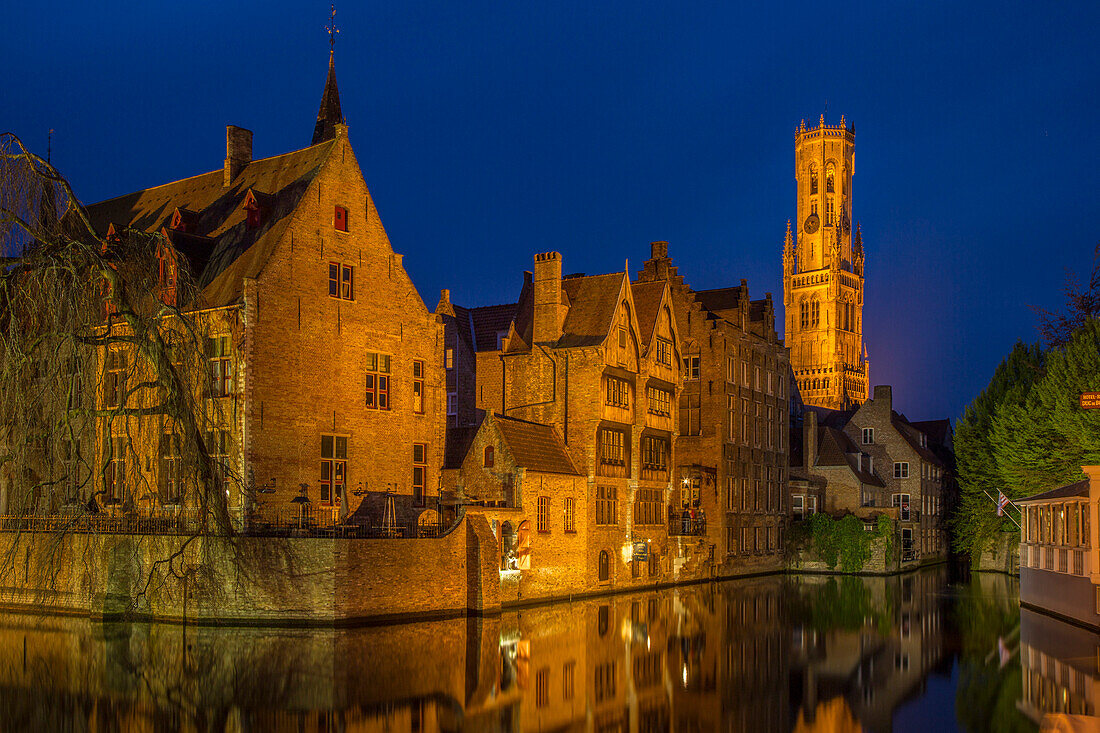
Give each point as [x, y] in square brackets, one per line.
[326, 364]
[731, 448]
[598, 359]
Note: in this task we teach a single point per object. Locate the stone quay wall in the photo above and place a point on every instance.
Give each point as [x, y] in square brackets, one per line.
[296, 580]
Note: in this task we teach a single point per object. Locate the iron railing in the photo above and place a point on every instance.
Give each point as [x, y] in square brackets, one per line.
[687, 527]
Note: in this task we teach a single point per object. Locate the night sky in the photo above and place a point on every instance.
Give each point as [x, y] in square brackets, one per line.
[488, 132]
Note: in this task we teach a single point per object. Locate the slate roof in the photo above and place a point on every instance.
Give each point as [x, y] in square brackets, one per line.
[235, 251]
[457, 444]
[720, 299]
[329, 114]
[592, 303]
[835, 448]
[647, 299]
[487, 321]
[912, 437]
[938, 431]
[535, 446]
[1069, 491]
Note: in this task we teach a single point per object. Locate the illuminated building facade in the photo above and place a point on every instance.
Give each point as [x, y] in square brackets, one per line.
[823, 272]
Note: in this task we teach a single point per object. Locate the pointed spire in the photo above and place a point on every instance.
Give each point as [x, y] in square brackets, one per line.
[858, 243]
[329, 115]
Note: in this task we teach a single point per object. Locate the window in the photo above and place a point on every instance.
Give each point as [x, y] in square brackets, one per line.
[868, 436]
[654, 453]
[452, 407]
[420, 472]
[220, 357]
[756, 374]
[618, 392]
[605, 682]
[901, 501]
[690, 423]
[340, 219]
[341, 281]
[168, 475]
[901, 469]
[607, 505]
[114, 388]
[746, 422]
[664, 351]
[613, 449]
[660, 401]
[605, 574]
[731, 370]
[377, 367]
[334, 468]
[797, 503]
[829, 178]
[731, 417]
[418, 387]
[449, 358]
[691, 367]
[543, 521]
[649, 507]
[115, 474]
[217, 446]
[745, 373]
[568, 674]
[813, 179]
[542, 687]
[624, 354]
[488, 462]
[570, 519]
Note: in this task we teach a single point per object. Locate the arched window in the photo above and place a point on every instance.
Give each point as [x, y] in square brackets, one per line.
[830, 174]
[488, 456]
[804, 313]
[815, 313]
[605, 565]
[825, 383]
[813, 179]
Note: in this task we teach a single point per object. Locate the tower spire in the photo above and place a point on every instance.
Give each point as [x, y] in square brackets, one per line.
[329, 115]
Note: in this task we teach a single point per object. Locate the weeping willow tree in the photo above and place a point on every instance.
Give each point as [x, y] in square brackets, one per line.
[106, 419]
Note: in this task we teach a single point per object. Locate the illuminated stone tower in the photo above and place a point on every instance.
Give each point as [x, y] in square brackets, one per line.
[823, 272]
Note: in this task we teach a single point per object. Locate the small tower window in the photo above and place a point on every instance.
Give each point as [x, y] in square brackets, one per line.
[830, 186]
[340, 219]
[813, 180]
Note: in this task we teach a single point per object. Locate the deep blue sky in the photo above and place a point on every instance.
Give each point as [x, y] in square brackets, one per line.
[489, 131]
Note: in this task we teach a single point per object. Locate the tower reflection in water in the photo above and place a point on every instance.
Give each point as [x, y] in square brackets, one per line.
[762, 654]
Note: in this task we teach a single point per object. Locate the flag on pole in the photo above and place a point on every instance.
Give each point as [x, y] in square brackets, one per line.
[1002, 502]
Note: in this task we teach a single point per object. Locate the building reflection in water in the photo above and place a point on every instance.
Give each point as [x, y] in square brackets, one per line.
[1059, 664]
[764, 654]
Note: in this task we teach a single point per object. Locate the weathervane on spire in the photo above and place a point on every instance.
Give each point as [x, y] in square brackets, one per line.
[332, 30]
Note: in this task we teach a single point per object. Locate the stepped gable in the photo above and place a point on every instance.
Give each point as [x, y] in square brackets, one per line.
[235, 250]
[647, 300]
[535, 446]
[592, 303]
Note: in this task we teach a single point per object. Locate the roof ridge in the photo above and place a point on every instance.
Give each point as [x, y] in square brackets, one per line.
[206, 173]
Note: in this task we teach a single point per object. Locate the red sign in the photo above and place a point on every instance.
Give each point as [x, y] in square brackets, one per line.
[1090, 400]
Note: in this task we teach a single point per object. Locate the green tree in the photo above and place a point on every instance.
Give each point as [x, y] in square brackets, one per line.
[976, 523]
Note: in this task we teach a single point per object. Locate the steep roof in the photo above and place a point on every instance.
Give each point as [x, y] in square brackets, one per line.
[835, 448]
[720, 299]
[487, 321]
[647, 300]
[235, 250]
[912, 437]
[329, 115]
[592, 303]
[1069, 491]
[535, 446]
[938, 431]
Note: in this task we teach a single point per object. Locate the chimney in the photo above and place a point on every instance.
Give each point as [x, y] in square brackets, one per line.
[658, 250]
[884, 396]
[809, 439]
[549, 313]
[444, 306]
[238, 152]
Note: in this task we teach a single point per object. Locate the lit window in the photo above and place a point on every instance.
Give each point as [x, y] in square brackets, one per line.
[660, 401]
[570, 522]
[340, 219]
[449, 358]
[607, 505]
[618, 392]
[168, 476]
[664, 351]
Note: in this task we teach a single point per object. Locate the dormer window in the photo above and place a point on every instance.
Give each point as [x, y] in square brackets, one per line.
[255, 207]
[183, 220]
[340, 219]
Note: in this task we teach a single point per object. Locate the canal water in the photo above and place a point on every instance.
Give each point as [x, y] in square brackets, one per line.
[918, 652]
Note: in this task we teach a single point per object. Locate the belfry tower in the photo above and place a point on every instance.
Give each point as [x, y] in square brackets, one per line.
[823, 271]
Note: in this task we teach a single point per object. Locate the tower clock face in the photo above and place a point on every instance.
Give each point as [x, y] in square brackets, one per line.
[811, 224]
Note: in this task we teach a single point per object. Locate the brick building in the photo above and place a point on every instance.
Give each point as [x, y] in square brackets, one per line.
[598, 360]
[731, 452]
[329, 365]
[873, 461]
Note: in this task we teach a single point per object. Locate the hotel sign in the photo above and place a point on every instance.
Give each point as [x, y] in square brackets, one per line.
[641, 551]
[1090, 400]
